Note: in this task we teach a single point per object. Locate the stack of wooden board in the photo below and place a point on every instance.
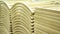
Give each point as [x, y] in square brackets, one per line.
[21, 19]
[4, 19]
[47, 21]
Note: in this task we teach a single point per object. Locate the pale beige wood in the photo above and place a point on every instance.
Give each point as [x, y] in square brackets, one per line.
[21, 19]
[4, 18]
[47, 21]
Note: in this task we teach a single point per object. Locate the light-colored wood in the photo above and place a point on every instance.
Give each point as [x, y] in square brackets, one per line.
[47, 21]
[4, 18]
[21, 19]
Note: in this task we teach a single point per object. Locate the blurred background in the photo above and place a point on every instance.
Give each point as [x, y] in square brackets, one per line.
[31, 3]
